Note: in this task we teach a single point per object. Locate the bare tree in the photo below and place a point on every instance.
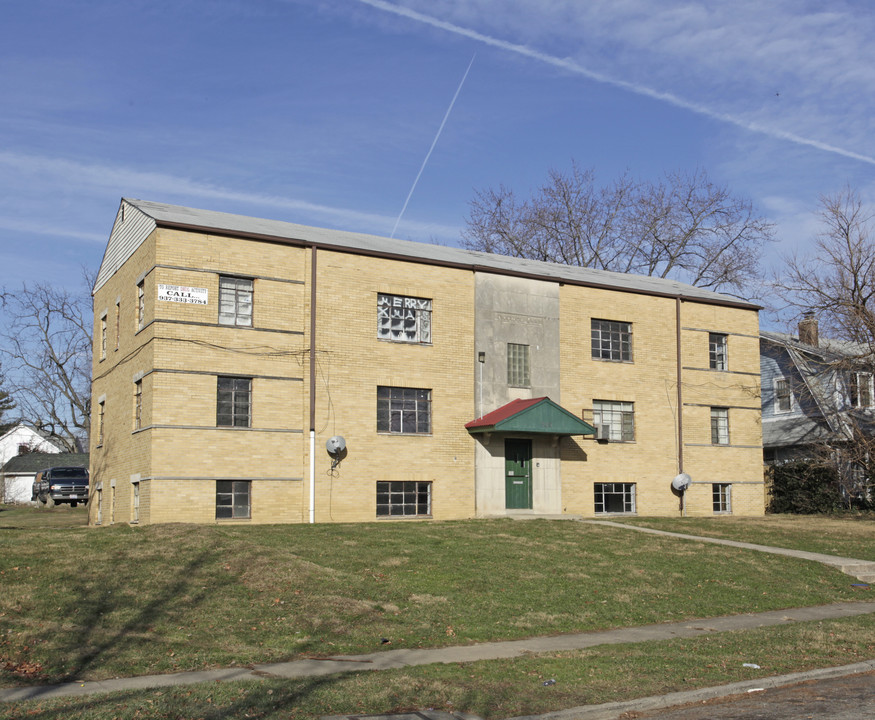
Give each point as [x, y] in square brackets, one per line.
[683, 227]
[47, 355]
[7, 404]
[836, 284]
[837, 280]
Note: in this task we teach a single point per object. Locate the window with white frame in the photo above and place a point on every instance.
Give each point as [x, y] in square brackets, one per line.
[403, 319]
[611, 340]
[118, 314]
[141, 304]
[138, 404]
[618, 417]
[719, 426]
[233, 401]
[783, 396]
[518, 374]
[614, 498]
[233, 499]
[135, 502]
[403, 410]
[721, 494]
[406, 498]
[717, 351]
[103, 337]
[101, 410]
[861, 390]
[235, 301]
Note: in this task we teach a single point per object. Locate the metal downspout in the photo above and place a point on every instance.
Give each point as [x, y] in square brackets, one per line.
[313, 384]
[680, 388]
[683, 504]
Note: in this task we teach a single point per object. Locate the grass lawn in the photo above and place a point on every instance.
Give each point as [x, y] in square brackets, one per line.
[91, 603]
[848, 536]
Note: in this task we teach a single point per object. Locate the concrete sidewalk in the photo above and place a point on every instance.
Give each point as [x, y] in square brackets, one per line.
[402, 658]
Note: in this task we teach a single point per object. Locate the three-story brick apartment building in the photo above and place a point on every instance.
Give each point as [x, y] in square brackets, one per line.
[230, 350]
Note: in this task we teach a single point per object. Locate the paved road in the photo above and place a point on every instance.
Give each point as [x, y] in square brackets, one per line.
[845, 698]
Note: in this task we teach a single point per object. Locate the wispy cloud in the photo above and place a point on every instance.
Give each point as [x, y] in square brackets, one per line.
[148, 185]
[570, 65]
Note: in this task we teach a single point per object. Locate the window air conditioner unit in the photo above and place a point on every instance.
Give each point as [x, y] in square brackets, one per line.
[603, 432]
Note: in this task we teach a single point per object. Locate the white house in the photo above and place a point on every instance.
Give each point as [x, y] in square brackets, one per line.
[20, 440]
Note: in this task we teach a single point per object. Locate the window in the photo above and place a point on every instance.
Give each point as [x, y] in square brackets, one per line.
[861, 390]
[138, 404]
[101, 408]
[403, 410]
[615, 497]
[403, 498]
[722, 497]
[783, 396]
[518, 365]
[118, 311]
[612, 340]
[103, 337]
[233, 401]
[141, 304]
[233, 499]
[719, 426]
[403, 319]
[235, 301]
[135, 502]
[717, 351]
[618, 417]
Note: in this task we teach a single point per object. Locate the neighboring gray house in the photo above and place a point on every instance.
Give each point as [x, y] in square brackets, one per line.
[816, 394]
[17, 474]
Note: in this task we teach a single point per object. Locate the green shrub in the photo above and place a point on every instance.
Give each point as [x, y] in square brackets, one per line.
[804, 488]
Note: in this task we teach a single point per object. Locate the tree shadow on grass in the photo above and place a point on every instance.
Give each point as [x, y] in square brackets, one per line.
[253, 700]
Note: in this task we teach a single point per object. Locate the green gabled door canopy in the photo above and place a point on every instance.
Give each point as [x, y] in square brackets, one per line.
[537, 416]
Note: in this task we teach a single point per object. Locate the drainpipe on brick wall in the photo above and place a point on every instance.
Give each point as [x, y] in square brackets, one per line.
[313, 384]
[680, 389]
[680, 401]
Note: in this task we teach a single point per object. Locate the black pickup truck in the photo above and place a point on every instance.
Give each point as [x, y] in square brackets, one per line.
[57, 485]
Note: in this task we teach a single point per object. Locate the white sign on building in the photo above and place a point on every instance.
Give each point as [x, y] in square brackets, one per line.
[182, 294]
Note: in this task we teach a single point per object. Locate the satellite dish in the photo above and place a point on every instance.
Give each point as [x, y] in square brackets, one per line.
[335, 445]
[681, 482]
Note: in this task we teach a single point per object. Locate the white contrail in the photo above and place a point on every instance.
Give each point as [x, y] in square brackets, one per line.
[572, 66]
[433, 143]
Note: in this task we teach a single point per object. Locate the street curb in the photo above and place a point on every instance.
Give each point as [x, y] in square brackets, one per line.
[616, 710]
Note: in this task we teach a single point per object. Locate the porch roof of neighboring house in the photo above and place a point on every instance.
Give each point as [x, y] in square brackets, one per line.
[32, 463]
[536, 416]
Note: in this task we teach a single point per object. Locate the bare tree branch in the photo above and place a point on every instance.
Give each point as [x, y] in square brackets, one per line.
[683, 227]
[47, 354]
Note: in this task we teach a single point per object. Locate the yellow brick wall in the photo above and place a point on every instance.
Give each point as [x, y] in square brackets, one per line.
[352, 362]
[650, 382]
[123, 453]
[180, 453]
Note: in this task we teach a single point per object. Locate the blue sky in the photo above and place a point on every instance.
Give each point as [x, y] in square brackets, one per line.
[322, 113]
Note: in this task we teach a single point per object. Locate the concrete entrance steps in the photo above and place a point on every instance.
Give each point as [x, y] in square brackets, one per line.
[863, 571]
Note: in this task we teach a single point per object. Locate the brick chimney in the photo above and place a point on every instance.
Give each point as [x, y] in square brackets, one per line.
[808, 329]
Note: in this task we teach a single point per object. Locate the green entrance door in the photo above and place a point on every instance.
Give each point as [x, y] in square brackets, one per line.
[518, 474]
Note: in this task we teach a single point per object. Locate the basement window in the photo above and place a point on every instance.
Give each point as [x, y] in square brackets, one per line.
[722, 497]
[233, 499]
[403, 498]
[614, 498]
